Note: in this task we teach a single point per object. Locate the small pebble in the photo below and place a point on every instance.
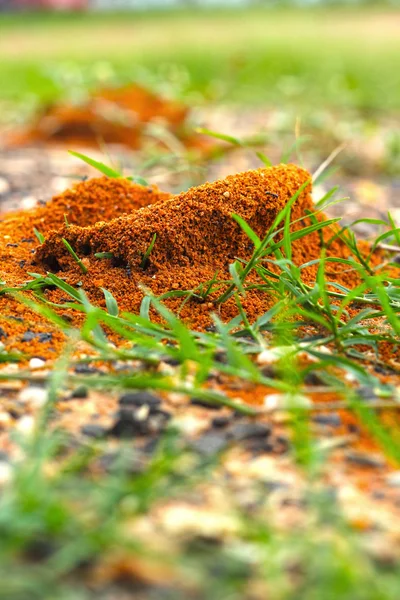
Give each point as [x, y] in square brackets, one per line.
[365, 460]
[45, 337]
[127, 425]
[367, 393]
[210, 443]
[4, 186]
[80, 392]
[28, 336]
[271, 355]
[286, 401]
[245, 431]
[26, 425]
[220, 422]
[36, 363]
[84, 369]
[93, 430]
[28, 202]
[136, 399]
[393, 479]
[331, 419]
[34, 395]
[221, 357]
[313, 378]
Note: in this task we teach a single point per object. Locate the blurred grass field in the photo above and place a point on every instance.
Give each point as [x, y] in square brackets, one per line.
[335, 58]
[81, 518]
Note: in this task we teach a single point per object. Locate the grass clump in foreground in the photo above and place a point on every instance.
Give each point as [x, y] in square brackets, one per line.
[72, 528]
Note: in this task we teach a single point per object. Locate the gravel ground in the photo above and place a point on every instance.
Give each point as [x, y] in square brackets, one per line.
[258, 454]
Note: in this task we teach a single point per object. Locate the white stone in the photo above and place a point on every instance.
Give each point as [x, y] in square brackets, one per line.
[271, 355]
[393, 479]
[4, 186]
[26, 425]
[34, 395]
[189, 424]
[286, 401]
[59, 184]
[183, 519]
[28, 202]
[36, 363]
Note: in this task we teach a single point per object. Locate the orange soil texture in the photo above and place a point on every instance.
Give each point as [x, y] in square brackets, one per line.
[196, 237]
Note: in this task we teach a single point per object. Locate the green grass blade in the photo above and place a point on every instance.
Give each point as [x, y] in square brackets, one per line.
[108, 171]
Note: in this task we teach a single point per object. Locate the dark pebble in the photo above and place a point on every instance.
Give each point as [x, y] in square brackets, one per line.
[281, 444]
[3, 334]
[245, 335]
[220, 422]
[378, 495]
[28, 336]
[151, 446]
[67, 318]
[245, 431]
[210, 443]
[331, 419]
[157, 421]
[353, 428]
[268, 371]
[27, 240]
[139, 399]
[211, 329]
[313, 378]
[366, 393]
[364, 460]
[85, 369]
[205, 403]
[221, 357]
[172, 362]
[259, 445]
[19, 319]
[80, 392]
[45, 337]
[128, 426]
[22, 264]
[133, 463]
[93, 430]
[12, 245]
[40, 549]
[272, 486]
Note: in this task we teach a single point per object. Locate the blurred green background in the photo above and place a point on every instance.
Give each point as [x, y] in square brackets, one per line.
[324, 69]
[307, 58]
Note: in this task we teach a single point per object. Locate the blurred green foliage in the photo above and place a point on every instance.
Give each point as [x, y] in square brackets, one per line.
[337, 57]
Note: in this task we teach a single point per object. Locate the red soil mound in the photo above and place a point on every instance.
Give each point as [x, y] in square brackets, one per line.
[112, 116]
[196, 237]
